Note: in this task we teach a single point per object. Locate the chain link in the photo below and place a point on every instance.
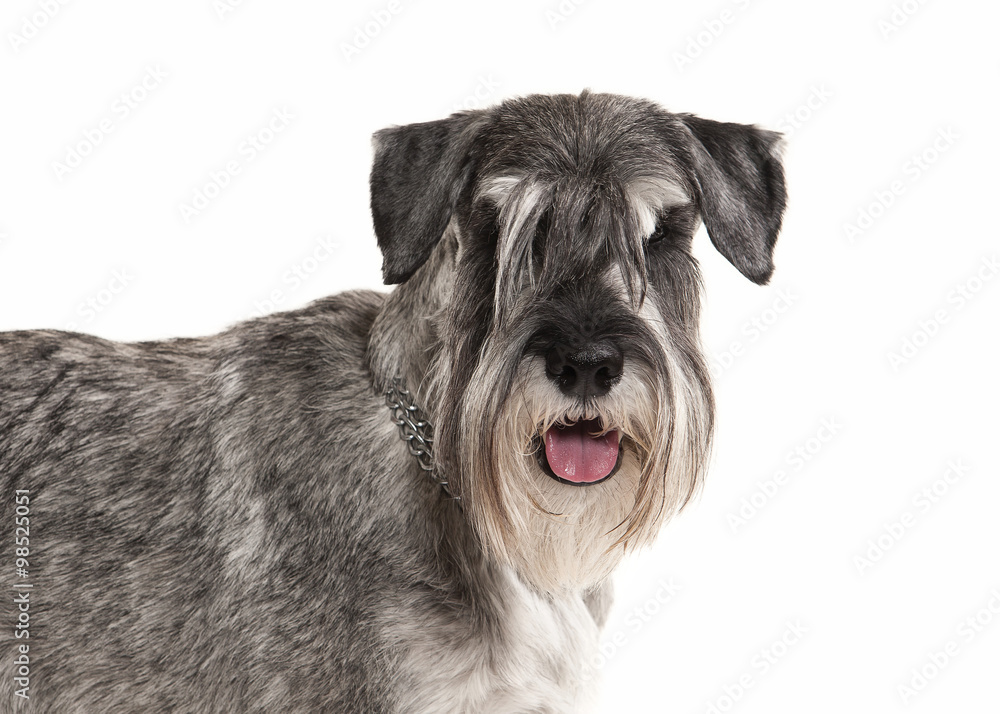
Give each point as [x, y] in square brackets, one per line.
[416, 431]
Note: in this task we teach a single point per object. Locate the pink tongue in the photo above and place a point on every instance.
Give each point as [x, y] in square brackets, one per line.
[576, 456]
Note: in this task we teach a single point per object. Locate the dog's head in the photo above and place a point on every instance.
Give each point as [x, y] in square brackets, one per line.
[572, 403]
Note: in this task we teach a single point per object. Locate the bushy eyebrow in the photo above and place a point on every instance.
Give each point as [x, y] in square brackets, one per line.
[623, 215]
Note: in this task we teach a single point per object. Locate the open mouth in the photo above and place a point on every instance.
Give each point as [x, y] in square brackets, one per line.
[579, 454]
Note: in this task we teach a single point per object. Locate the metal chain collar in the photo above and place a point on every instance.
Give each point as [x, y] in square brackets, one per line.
[416, 431]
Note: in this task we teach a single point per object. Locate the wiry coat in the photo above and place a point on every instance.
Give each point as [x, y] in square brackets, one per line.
[233, 524]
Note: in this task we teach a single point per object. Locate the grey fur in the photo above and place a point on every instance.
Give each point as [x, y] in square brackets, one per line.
[232, 524]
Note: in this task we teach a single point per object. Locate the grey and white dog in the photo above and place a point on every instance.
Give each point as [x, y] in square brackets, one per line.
[233, 523]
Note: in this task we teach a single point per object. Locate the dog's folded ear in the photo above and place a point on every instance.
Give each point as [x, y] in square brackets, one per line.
[741, 191]
[418, 173]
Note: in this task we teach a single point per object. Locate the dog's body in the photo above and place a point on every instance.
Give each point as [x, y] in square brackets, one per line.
[234, 524]
[249, 533]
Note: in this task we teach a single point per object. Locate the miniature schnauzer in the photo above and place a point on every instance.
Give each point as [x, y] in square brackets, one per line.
[234, 523]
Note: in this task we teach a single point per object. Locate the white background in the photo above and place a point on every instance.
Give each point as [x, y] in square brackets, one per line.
[873, 91]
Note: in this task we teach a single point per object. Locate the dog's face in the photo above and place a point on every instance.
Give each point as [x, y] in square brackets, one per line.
[572, 404]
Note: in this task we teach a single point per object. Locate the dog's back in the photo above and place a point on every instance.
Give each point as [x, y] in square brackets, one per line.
[183, 494]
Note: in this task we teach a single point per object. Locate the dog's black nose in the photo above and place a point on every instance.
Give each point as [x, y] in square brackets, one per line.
[588, 372]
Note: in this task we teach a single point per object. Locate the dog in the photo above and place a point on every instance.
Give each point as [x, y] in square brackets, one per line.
[409, 502]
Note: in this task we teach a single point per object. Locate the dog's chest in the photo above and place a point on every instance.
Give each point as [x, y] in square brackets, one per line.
[537, 664]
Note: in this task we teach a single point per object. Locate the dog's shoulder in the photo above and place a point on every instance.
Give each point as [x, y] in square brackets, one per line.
[354, 310]
[301, 356]
[335, 326]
